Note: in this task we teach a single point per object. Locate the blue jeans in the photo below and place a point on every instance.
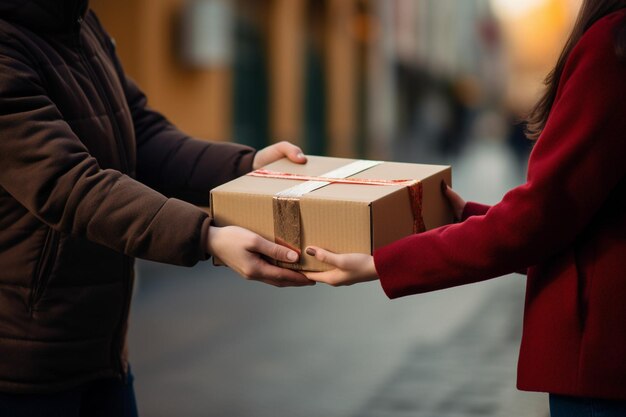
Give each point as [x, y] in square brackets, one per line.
[105, 398]
[563, 406]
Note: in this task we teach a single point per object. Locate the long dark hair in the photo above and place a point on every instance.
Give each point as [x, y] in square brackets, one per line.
[590, 12]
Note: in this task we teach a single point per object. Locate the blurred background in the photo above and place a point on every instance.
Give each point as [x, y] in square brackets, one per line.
[425, 81]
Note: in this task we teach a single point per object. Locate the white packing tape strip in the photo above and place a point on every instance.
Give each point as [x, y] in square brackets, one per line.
[341, 172]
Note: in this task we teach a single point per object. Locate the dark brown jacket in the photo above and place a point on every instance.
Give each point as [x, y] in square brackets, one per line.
[89, 177]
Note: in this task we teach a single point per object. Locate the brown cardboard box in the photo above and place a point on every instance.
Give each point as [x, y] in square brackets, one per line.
[339, 217]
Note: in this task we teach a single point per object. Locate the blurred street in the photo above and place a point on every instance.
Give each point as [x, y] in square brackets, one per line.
[204, 342]
[150, 105]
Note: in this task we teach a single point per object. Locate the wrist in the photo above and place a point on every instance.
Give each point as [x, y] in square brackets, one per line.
[212, 238]
[204, 238]
[370, 269]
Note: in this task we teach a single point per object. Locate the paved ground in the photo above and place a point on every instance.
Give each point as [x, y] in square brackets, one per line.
[471, 374]
[207, 343]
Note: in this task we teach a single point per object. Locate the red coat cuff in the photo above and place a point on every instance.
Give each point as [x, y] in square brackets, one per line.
[474, 209]
[392, 275]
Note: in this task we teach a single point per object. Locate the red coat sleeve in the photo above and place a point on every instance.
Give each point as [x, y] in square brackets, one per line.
[474, 209]
[575, 165]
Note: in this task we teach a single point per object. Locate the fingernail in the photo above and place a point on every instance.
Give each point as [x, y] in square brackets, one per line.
[301, 155]
[310, 251]
[292, 256]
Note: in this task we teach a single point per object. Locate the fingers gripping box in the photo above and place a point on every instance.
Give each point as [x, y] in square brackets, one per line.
[342, 205]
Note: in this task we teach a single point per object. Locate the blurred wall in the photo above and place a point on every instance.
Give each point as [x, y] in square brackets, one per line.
[147, 34]
[351, 78]
[534, 35]
[202, 101]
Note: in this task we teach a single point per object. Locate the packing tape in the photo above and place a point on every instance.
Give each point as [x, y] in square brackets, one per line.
[286, 203]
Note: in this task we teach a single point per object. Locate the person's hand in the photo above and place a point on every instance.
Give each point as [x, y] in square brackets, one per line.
[350, 268]
[278, 151]
[456, 202]
[244, 252]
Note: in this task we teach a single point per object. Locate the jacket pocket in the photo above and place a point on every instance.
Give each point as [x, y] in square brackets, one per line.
[44, 267]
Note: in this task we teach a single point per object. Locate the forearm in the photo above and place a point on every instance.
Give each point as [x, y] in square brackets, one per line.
[575, 166]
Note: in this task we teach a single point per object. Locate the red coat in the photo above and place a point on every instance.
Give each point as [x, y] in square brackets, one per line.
[567, 225]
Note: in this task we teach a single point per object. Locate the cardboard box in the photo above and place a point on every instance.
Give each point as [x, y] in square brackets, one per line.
[341, 217]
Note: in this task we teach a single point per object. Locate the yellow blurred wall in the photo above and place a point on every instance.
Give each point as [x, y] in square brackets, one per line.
[534, 40]
[198, 101]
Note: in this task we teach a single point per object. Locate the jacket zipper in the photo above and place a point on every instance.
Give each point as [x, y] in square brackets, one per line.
[117, 345]
[44, 267]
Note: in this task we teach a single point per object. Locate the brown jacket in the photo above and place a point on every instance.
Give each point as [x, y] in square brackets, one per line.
[89, 177]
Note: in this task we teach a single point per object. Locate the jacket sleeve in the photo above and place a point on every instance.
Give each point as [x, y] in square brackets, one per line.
[47, 169]
[170, 161]
[575, 165]
[176, 164]
[474, 209]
